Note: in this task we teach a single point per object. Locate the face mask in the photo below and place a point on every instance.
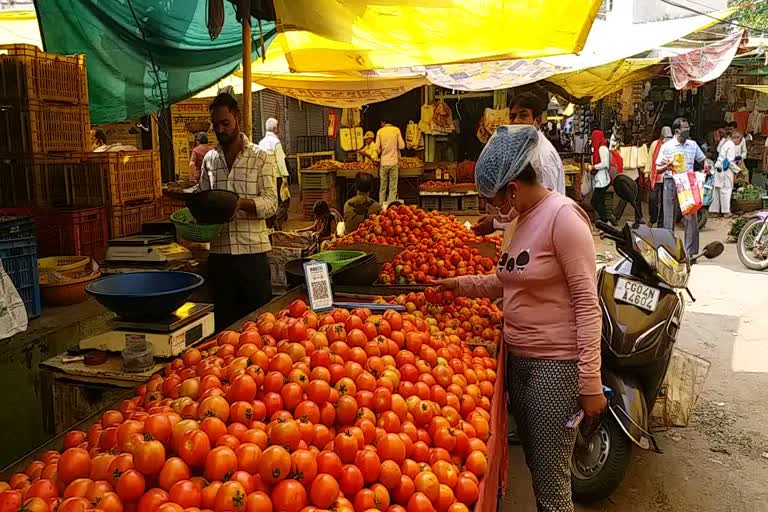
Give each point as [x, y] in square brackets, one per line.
[685, 134]
[498, 212]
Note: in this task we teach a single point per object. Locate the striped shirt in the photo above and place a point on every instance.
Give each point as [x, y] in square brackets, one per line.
[252, 177]
[690, 149]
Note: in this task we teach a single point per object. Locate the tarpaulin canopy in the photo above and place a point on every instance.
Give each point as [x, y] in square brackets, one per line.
[355, 35]
[697, 66]
[600, 81]
[19, 27]
[758, 88]
[143, 55]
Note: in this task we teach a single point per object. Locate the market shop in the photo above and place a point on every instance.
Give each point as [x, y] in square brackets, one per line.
[369, 360]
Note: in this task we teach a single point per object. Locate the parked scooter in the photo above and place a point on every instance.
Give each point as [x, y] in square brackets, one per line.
[642, 304]
[752, 245]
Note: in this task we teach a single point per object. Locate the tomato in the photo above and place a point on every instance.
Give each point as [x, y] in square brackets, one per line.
[42, 488]
[328, 462]
[214, 406]
[369, 464]
[169, 507]
[285, 433]
[390, 474]
[230, 497]
[351, 480]
[174, 470]
[110, 502]
[345, 445]
[68, 505]
[242, 388]
[418, 502]
[10, 501]
[194, 448]
[303, 466]
[391, 447]
[275, 464]
[78, 488]
[258, 502]
[208, 496]
[248, 456]
[35, 505]
[74, 463]
[97, 490]
[73, 439]
[324, 490]
[403, 491]
[220, 463]
[130, 486]
[149, 456]
[289, 496]
[186, 494]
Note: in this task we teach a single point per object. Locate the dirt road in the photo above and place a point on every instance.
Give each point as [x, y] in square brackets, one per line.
[720, 462]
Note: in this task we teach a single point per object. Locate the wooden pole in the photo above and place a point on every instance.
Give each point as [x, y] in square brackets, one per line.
[246, 110]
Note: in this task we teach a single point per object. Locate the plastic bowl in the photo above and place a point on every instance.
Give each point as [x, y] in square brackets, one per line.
[213, 206]
[144, 295]
[66, 293]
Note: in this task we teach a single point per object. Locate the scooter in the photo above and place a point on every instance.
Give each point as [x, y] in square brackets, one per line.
[752, 245]
[641, 297]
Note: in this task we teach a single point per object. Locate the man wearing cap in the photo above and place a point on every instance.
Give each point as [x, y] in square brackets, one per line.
[368, 153]
[656, 179]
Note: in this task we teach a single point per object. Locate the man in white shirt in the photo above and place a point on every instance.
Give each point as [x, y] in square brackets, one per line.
[682, 150]
[389, 142]
[271, 144]
[725, 168]
[528, 109]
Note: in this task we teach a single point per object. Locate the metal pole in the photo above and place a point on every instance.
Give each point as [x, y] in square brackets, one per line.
[246, 111]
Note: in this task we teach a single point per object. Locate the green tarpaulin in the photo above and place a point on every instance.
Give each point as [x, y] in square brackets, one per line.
[143, 55]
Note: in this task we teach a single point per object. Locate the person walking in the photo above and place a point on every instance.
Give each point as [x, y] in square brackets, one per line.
[238, 270]
[389, 142]
[198, 153]
[601, 164]
[726, 166]
[656, 179]
[552, 319]
[678, 155]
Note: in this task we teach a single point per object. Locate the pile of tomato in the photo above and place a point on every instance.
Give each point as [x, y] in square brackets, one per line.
[436, 246]
[346, 411]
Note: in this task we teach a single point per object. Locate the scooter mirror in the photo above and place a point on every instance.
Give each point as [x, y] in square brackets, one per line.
[713, 250]
[626, 188]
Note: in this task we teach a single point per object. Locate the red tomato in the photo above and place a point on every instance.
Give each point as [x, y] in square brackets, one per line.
[289, 496]
[130, 486]
[186, 494]
[74, 463]
[220, 463]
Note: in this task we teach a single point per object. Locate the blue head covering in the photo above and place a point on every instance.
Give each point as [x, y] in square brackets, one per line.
[505, 156]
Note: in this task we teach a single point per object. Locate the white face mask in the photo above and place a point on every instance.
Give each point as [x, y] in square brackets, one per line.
[498, 213]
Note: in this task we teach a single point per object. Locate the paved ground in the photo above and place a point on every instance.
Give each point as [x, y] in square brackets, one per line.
[720, 462]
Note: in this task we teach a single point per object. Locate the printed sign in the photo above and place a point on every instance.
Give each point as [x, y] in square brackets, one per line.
[318, 285]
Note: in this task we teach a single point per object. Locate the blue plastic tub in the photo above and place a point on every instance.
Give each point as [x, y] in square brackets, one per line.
[19, 259]
[144, 295]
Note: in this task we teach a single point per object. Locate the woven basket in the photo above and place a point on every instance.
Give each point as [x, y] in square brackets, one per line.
[746, 205]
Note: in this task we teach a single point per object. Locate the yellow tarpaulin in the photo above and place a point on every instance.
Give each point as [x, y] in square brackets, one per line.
[758, 88]
[600, 81]
[335, 35]
[19, 27]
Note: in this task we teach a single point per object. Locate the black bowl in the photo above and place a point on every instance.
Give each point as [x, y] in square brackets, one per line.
[144, 295]
[362, 272]
[213, 206]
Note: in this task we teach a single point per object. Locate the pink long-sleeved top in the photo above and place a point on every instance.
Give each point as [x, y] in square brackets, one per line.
[546, 276]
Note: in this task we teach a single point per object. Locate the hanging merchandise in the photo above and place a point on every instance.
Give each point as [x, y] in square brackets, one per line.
[351, 139]
[425, 124]
[492, 119]
[413, 136]
[333, 124]
[442, 119]
[350, 117]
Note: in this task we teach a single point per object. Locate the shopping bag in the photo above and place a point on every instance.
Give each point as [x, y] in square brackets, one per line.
[586, 183]
[412, 134]
[425, 123]
[688, 192]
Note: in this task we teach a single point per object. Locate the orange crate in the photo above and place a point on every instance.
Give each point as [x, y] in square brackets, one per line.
[127, 220]
[28, 73]
[131, 176]
[34, 127]
[309, 197]
[171, 206]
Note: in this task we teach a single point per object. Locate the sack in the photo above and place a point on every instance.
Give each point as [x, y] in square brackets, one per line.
[586, 183]
[689, 194]
[425, 124]
[351, 139]
[492, 119]
[412, 135]
[350, 117]
[442, 119]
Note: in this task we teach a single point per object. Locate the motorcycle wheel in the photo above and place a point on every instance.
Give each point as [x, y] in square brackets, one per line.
[745, 245]
[703, 216]
[598, 469]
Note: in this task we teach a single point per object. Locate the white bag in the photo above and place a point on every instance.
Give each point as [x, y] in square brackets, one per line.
[425, 123]
[586, 183]
[13, 314]
[412, 135]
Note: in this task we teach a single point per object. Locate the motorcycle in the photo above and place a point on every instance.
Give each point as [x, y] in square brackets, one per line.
[752, 245]
[641, 297]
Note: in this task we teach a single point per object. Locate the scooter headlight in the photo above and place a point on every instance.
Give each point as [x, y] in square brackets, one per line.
[647, 251]
[671, 271]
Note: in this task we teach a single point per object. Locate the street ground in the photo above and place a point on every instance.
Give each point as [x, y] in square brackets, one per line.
[719, 463]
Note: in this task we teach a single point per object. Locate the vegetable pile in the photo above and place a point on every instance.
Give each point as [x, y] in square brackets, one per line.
[345, 411]
[436, 246]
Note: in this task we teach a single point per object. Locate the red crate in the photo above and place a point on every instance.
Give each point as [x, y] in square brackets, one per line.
[72, 232]
[171, 206]
[34, 127]
[28, 73]
[127, 220]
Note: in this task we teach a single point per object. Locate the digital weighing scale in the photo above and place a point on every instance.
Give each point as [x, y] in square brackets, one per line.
[167, 337]
[146, 248]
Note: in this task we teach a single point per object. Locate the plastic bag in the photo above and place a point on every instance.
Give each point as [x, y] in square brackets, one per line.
[412, 134]
[425, 123]
[350, 117]
[689, 193]
[13, 314]
[442, 119]
[586, 183]
[492, 119]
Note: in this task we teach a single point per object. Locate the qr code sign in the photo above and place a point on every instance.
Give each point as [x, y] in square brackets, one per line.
[320, 290]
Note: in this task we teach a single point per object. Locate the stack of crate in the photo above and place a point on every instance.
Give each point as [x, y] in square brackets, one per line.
[80, 198]
[18, 256]
[319, 186]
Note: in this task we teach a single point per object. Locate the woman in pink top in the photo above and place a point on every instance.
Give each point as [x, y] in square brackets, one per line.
[552, 320]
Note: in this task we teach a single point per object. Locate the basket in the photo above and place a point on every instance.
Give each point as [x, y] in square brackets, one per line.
[183, 221]
[67, 292]
[73, 232]
[338, 259]
[16, 183]
[27, 73]
[19, 258]
[63, 263]
[34, 127]
[128, 220]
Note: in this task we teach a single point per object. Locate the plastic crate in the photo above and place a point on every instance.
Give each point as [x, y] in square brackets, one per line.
[171, 206]
[28, 73]
[34, 127]
[14, 227]
[449, 204]
[310, 197]
[19, 258]
[73, 232]
[470, 204]
[132, 176]
[429, 203]
[317, 181]
[16, 183]
[127, 220]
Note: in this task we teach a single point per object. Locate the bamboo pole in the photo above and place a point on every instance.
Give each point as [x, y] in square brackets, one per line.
[247, 111]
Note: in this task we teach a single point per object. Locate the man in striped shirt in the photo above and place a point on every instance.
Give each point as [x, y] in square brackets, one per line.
[238, 269]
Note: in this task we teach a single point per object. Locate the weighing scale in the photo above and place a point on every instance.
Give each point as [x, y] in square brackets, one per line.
[167, 337]
[146, 248]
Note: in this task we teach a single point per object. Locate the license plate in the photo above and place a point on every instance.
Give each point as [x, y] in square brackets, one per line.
[637, 294]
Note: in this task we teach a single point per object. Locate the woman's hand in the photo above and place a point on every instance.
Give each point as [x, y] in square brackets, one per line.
[593, 405]
[448, 284]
